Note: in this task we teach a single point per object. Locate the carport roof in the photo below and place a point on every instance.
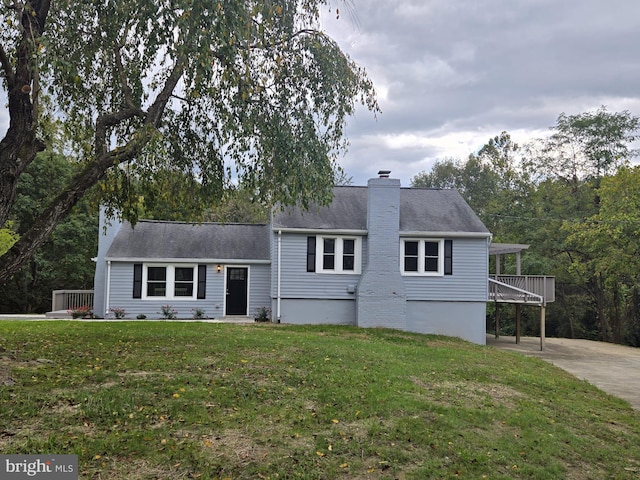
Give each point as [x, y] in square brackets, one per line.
[505, 248]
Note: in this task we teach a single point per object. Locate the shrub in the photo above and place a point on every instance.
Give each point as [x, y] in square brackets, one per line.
[141, 316]
[263, 314]
[118, 312]
[84, 311]
[168, 312]
[198, 313]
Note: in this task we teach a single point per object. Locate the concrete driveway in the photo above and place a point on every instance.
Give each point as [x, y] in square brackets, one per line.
[612, 368]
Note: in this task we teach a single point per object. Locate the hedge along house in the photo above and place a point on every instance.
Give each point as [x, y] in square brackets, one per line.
[377, 256]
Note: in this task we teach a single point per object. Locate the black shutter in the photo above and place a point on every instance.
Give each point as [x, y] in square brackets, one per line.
[202, 281]
[311, 254]
[137, 280]
[448, 257]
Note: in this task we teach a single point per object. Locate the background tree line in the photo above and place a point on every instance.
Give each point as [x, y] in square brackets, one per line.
[574, 197]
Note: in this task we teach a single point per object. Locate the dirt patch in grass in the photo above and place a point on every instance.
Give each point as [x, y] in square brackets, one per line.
[235, 447]
[582, 471]
[5, 377]
[8, 364]
[137, 469]
[469, 394]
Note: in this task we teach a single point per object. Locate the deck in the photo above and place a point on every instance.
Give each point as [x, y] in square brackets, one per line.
[522, 289]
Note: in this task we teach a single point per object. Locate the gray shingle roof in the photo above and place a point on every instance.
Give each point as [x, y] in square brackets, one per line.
[348, 211]
[421, 210]
[175, 240]
[437, 210]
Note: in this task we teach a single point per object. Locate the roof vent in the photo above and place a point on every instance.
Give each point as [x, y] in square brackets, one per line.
[384, 173]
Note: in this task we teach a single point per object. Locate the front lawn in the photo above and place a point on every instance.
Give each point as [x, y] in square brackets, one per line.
[146, 400]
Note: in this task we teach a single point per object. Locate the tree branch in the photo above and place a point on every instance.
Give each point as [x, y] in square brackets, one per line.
[304, 31]
[122, 78]
[111, 120]
[7, 68]
[45, 224]
[155, 112]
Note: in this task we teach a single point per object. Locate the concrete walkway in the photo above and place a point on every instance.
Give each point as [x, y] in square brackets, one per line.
[612, 368]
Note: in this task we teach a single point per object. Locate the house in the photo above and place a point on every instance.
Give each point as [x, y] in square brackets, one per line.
[378, 256]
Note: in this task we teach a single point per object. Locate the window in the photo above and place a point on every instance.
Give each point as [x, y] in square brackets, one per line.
[329, 254]
[334, 254]
[156, 281]
[183, 286]
[348, 254]
[427, 257]
[169, 281]
[410, 256]
[431, 256]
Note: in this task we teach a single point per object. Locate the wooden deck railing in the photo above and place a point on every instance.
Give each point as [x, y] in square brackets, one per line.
[535, 289]
[71, 299]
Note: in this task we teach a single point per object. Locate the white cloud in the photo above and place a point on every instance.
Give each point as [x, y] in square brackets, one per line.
[452, 74]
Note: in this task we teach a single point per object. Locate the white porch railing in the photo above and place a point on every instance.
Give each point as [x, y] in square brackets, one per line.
[534, 289]
[71, 299]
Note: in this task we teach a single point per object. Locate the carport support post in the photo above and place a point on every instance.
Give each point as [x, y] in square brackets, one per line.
[543, 312]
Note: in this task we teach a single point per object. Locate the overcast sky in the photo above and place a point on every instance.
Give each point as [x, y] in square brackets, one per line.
[450, 74]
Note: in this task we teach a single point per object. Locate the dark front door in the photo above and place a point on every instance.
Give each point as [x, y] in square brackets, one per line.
[237, 290]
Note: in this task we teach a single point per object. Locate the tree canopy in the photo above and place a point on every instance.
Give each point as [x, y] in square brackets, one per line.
[246, 90]
[574, 198]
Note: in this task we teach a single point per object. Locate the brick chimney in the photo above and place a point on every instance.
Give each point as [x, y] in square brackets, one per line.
[381, 298]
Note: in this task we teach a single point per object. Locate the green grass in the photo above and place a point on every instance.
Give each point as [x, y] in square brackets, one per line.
[166, 400]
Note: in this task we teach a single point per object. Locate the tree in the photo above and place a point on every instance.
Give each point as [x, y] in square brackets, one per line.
[583, 150]
[591, 144]
[238, 88]
[491, 181]
[64, 260]
[608, 241]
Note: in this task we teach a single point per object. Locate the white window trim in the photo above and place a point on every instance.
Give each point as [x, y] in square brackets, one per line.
[339, 254]
[170, 280]
[421, 257]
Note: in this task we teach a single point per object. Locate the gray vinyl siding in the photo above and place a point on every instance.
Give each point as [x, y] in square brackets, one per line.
[318, 312]
[466, 320]
[121, 293]
[296, 282]
[259, 287]
[468, 282]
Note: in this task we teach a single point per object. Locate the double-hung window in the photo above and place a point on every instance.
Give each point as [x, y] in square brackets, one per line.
[169, 281]
[156, 281]
[334, 254]
[426, 257]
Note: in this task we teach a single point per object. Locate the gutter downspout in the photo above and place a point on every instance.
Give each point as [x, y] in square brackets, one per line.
[279, 262]
[108, 288]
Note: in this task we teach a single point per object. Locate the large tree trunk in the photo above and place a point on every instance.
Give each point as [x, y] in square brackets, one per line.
[20, 145]
[12, 261]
